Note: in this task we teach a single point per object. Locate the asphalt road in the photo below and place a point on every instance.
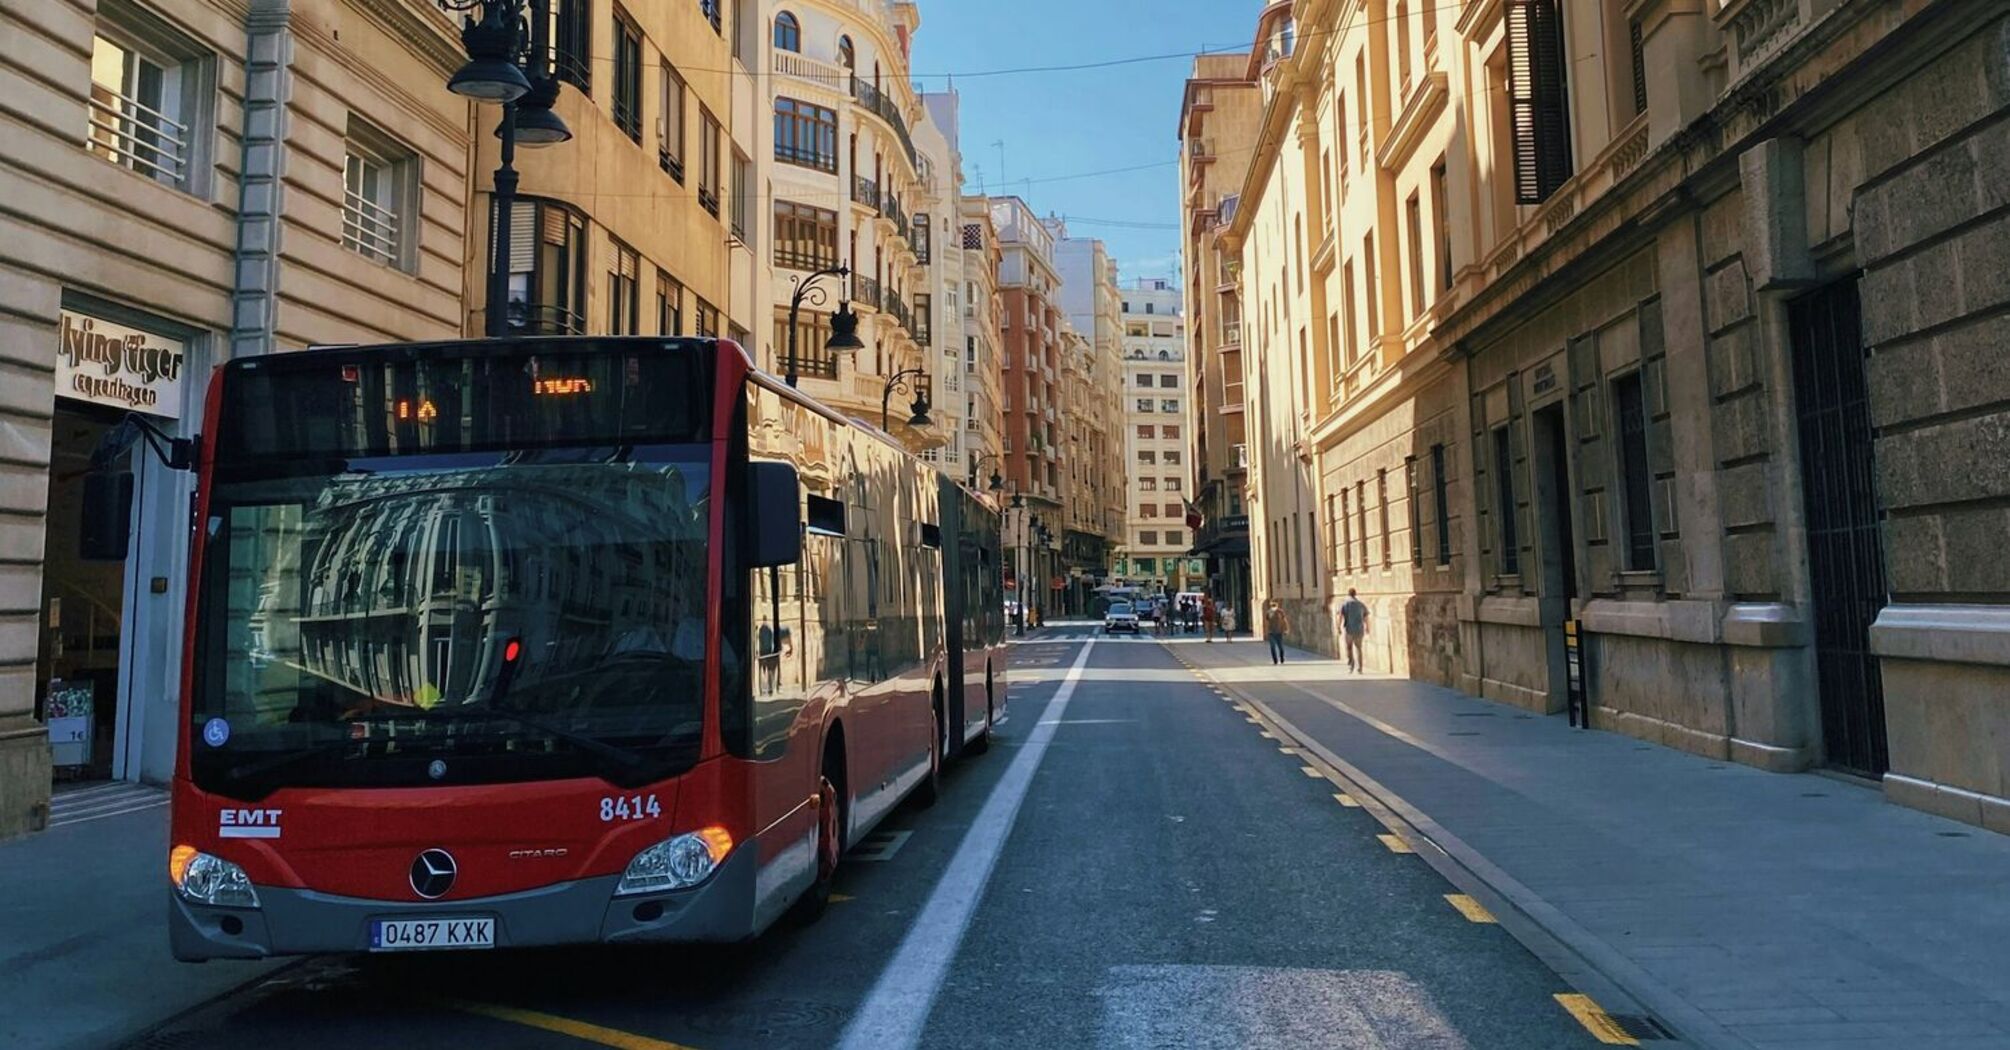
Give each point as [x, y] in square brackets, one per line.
[1135, 865]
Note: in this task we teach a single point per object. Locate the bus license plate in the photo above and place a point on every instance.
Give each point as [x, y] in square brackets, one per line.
[409, 935]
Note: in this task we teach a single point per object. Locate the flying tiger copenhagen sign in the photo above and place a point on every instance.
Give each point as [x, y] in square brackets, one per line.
[111, 364]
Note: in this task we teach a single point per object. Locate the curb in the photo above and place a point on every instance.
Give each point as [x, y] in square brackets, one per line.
[1651, 1011]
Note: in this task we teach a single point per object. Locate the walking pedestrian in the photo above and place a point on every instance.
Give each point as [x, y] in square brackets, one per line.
[1228, 623]
[1354, 624]
[1275, 626]
[1210, 617]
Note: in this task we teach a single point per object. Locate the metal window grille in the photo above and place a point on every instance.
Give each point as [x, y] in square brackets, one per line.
[1639, 67]
[133, 122]
[627, 77]
[1442, 485]
[370, 222]
[1630, 406]
[1504, 504]
[571, 42]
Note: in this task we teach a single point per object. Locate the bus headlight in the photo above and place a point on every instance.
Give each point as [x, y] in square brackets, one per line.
[204, 879]
[676, 863]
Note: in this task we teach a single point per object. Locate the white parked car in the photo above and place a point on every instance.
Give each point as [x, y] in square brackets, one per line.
[1122, 616]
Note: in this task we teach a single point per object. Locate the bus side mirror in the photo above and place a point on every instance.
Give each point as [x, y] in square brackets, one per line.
[776, 516]
[105, 526]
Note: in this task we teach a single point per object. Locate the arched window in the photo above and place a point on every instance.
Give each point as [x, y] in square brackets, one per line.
[847, 55]
[788, 32]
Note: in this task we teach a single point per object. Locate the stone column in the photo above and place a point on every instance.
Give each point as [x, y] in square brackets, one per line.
[268, 80]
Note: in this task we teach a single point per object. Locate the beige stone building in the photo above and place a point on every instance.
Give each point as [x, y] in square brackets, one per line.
[1692, 345]
[1219, 116]
[187, 180]
[976, 326]
[1156, 404]
[1091, 425]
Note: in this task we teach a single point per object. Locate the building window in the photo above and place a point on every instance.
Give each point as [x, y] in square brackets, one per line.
[1441, 221]
[1147, 431]
[1538, 98]
[1169, 404]
[1382, 497]
[1416, 217]
[1169, 381]
[1346, 533]
[708, 161]
[788, 32]
[1169, 431]
[710, 9]
[670, 125]
[1175, 538]
[1504, 505]
[1148, 484]
[1639, 67]
[743, 195]
[806, 238]
[1347, 308]
[1361, 521]
[627, 76]
[813, 334]
[708, 320]
[1638, 507]
[1172, 484]
[144, 109]
[1415, 511]
[547, 274]
[847, 54]
[1172, 457]
[924, 240]
[1144, 379]
[1146, 404]
[1148, 510]
[571, 42]
[1368, 288]
[1148, 458]
[1441, 483]
[623, 300]
[806, 135]
[379, 180]
[669, 305]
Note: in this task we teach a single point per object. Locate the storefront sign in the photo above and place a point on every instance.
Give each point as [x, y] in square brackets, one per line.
[110, 364]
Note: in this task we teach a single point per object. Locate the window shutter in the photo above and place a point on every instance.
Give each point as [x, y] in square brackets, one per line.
[1537, 103]
[1639, 68]
[523, 238]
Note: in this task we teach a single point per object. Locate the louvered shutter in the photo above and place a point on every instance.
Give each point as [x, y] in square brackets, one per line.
[523, 238]
[1538, 106]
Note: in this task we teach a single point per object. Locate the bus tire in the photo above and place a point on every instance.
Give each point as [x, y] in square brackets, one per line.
[982, 742]
[931, 788]
[830, 834]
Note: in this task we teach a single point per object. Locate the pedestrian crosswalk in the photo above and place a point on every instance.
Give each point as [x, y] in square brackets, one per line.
[98, 801]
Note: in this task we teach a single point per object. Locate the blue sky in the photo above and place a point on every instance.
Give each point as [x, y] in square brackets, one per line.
[1066, 123]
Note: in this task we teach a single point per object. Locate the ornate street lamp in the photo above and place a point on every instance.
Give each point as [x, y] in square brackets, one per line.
[844, 323]
[997, 479]
[898, 381]
[507, 65]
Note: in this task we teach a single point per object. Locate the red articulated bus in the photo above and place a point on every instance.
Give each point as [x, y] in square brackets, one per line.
[532, 642]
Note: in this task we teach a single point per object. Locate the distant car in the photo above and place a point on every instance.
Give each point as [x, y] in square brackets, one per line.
[1148, 611]
[1122, 616]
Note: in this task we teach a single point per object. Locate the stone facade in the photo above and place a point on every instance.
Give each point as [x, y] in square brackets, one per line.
[209, 204]
[1728, 391]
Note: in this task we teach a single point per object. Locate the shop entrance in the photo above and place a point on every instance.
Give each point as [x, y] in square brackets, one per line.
[77, 670]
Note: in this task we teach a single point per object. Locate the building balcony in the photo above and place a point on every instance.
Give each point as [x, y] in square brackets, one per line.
[865, 191]
[865, 291]
[827, 75]
[881, 104]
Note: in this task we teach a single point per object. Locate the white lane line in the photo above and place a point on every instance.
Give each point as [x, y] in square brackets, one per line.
[59, 822]
[896, 1011]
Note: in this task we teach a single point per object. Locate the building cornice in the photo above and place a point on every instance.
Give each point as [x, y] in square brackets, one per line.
[424, 28]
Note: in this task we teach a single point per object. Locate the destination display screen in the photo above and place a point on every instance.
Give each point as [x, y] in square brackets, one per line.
[432, 399]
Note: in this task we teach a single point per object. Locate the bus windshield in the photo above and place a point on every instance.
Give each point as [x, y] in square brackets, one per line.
[453, 615]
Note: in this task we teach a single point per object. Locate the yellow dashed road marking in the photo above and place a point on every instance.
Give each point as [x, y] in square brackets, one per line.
[1347, 800]
[1595, 1020]
[581, 1030]
[1311, 772]
[1395, 844]
[1473, 910]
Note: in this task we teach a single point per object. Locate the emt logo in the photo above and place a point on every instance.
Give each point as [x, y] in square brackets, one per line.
[248, 824]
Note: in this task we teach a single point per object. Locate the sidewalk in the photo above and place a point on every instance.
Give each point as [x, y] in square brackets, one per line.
[1744, 909]
[83, 926]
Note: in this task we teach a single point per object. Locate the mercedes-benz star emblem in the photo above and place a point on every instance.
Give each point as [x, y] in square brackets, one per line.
[433, 874]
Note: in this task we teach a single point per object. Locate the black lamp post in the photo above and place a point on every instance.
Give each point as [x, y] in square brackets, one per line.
[507, 65]
[898, 381]
[997, 479]
[844, 323]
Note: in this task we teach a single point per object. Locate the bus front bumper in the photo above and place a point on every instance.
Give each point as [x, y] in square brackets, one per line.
[586, 911]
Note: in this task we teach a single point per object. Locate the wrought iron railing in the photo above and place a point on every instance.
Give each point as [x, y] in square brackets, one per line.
[882, 104]
[865, 191]
[865, 290]
[794, 259]
[710, 9]
[893, 304]
[131, 133]
[807, 157]
[541, 319]
[369, 228]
